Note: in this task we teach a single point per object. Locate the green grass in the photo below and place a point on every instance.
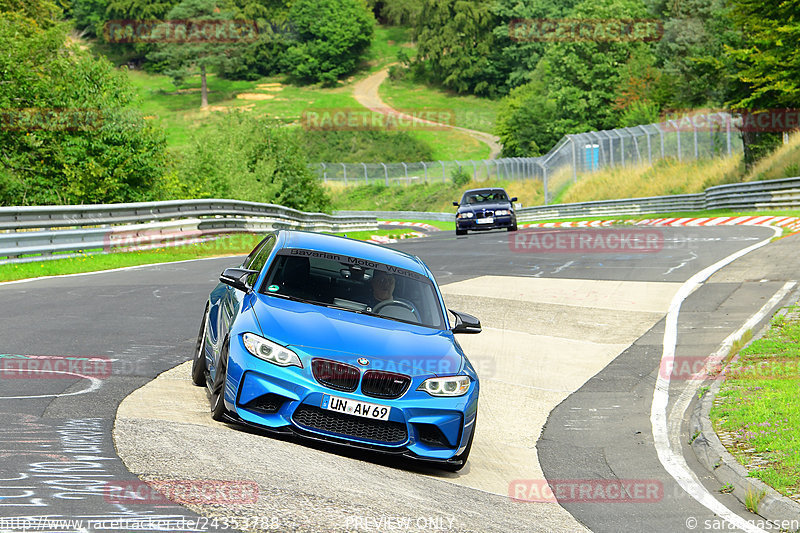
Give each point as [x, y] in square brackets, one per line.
[449, 145]
[434, 196]
[469, 111]
[177, 108]
[232, 245]
[759, 405]
[386, 43]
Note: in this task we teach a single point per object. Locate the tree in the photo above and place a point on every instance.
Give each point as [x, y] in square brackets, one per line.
[332, 38]
[70, 132]
[198, 49]
[454, 44]
[400, 12]
[695, 67]
[89, 15]
[246, 158]
[526, 118]
[44, 13]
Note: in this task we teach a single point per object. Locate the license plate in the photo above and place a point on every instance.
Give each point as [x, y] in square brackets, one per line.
[487, 220]
[353, 407]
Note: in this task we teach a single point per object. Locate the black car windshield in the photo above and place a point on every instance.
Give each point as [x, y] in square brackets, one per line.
[353, 284]
[484, 197]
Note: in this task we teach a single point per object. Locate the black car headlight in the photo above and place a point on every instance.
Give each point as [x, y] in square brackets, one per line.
[269, 351]
[502, 212]
[446, 386]
[465, 215]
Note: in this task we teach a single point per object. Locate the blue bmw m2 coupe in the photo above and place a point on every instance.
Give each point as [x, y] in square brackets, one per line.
[339, 340]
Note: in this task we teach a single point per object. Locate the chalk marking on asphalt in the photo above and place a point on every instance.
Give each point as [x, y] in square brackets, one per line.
[683, 264]
[672, 460]
[93, 386]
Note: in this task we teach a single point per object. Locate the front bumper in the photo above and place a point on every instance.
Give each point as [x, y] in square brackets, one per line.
[501, 222]
[264, 395]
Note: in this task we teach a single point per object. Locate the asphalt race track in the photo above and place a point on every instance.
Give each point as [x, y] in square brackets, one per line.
[569, 360]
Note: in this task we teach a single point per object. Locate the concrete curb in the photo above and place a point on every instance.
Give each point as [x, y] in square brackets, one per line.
[791, 223]
[712, 454]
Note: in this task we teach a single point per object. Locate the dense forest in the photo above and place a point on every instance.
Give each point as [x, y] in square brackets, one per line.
[557, 67]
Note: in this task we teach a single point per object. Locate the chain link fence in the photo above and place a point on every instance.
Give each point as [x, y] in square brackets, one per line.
[686, 138]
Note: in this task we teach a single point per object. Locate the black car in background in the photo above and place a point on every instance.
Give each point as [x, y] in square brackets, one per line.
[482, 209]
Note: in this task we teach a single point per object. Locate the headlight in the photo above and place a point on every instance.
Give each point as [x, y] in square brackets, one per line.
[448, 386]
[502, 212]
[466, 215]
[269, 351]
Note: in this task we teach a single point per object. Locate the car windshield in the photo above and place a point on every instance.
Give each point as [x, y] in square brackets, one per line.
[484, 197]
[353, 284]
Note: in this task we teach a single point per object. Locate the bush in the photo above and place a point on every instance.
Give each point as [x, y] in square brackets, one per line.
[460, 177]
[75, 135]
[333, 35]
[363, 146]
[244, 158]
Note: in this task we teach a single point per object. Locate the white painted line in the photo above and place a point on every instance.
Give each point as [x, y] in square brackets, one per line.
[672, 459]
[95, 384]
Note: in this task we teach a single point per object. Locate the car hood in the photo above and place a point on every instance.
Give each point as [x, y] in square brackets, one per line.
[491, 206]
[347, 337]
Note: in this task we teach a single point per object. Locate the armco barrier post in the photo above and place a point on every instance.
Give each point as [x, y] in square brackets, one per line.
[366, 178]
[385, 175]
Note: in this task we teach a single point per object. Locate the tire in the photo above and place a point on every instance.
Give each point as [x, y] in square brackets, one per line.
[461, 231]
[199, 362]
[460, 460]
[218, 410]
[512, 228]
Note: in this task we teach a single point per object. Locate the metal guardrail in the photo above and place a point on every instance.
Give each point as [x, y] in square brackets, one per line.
[52, 232]
[772, 194]
[400, 215]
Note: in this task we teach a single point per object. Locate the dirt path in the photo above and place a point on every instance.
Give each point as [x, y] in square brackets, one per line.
[366, 93]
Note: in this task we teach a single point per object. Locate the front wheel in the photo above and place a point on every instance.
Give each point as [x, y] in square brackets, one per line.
[513, 228]
[218, 410]
[461, 231]
[199, 361]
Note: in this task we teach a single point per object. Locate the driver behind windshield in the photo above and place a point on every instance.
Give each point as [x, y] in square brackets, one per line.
[382, 285]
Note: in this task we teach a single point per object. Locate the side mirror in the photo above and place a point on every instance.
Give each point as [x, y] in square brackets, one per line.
[513, 199]
[465, 323]
[455, 204]
[237, 278]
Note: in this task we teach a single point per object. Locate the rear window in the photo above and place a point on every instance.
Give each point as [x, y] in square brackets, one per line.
[354, 284]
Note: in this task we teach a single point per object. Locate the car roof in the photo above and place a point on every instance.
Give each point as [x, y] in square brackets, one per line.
[325, 242]
[491, 189]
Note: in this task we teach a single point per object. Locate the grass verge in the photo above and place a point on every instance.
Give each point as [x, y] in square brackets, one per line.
[436, 197]
[759, 408]
[469, 112]
[238, 244]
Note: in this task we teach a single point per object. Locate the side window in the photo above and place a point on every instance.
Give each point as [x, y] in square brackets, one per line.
[258, 257]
